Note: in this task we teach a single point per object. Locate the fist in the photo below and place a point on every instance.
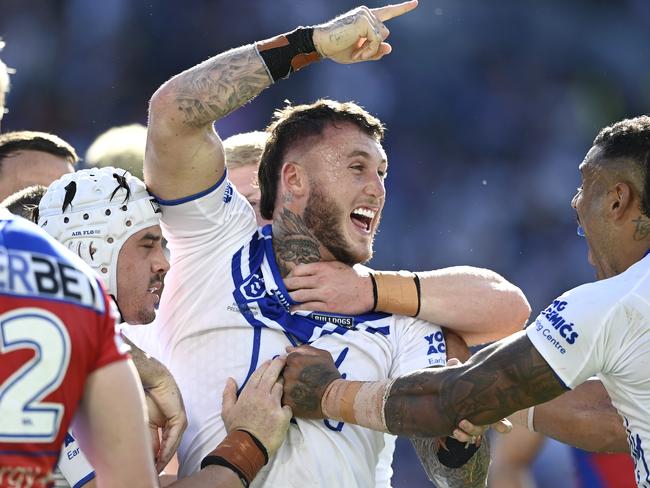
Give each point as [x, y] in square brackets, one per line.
[306, 375]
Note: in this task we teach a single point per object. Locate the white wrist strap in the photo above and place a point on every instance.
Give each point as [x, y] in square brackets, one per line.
[531, 415]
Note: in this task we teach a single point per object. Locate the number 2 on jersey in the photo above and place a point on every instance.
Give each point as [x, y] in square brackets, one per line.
[23, 414]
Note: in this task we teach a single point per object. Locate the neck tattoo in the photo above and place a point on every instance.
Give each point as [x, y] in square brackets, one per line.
[293, 242]
[642, 230]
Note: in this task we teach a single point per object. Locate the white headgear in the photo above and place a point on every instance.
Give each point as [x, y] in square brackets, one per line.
[94, 211]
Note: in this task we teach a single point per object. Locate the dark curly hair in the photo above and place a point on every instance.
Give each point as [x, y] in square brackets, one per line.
[295, 123]
[630, 139]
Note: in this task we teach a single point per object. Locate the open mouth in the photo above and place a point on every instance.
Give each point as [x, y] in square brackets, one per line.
[362, 218]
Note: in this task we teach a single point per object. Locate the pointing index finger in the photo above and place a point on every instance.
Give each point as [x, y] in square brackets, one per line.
[390, 11]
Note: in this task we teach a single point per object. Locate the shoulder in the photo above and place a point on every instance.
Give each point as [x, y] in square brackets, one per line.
[596, 300]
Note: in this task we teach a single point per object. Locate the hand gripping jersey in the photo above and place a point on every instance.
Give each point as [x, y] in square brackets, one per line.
[603, 329]
[56, 328]
[225, 311]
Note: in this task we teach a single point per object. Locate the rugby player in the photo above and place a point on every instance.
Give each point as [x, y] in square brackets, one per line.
[61, 353]
[478, 304]
[108, 218]
[599, 328]
[232, 273]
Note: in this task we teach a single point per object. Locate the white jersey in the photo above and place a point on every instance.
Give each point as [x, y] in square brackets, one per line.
[225, 311]
[603, 329]
[73, 464]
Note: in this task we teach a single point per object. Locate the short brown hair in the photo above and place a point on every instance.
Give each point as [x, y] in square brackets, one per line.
[25, 202]
[630, 139]
[295, 123]
[26, 140]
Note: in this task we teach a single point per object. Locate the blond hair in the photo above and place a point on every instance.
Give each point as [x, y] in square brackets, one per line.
[120, 147]
[245, 148]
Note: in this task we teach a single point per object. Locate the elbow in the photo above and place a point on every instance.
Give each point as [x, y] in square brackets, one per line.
[161, 103]
[515, 306]
[520, 308]
[166, 116]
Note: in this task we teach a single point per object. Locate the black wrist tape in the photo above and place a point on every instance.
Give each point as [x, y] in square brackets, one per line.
[456, 454]
[289, 52]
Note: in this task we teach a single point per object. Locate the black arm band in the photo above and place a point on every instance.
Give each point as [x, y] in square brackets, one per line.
[374, 292]
[456, 454]
[289, 52]
[219, 461]
[416, 278]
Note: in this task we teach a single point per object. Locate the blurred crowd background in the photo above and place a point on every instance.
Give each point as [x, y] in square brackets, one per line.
[490, 107]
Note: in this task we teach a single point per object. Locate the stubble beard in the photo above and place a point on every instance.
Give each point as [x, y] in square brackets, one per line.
[323, 217]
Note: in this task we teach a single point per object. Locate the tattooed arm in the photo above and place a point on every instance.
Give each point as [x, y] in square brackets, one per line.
[504, 377]
[184, 154]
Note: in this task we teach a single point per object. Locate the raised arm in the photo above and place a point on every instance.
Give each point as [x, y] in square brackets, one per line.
[184, 154]
[478, 304]
[502, 378]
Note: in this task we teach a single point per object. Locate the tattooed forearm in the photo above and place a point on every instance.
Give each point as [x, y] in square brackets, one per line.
[507, 376]
[473, 474]
[214, 88]
[642, 230]
[293, 242]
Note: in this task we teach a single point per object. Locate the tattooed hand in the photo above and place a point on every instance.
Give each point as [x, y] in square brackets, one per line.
[358, 35]
[306, 375]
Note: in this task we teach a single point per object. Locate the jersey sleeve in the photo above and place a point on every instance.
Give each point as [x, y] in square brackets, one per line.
[218, 213]
[571, 333]
[418, 345]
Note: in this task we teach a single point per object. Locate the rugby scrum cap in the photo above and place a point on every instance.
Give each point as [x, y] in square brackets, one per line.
[94, 211]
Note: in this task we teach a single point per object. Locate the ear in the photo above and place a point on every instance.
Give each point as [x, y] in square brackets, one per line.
[294, 179]
[620, 200]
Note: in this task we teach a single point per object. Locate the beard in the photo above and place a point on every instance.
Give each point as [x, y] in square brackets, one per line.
[323, 217]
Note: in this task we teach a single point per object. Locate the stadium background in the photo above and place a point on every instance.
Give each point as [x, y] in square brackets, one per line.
[490, 107]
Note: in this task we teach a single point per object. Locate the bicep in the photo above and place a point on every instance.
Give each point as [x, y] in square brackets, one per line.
[478, 304]
[111, 427]
[180, 165]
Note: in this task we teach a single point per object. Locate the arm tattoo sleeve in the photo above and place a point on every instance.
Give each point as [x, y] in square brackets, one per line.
[505, 377]
[218, 86]
[473, 474]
